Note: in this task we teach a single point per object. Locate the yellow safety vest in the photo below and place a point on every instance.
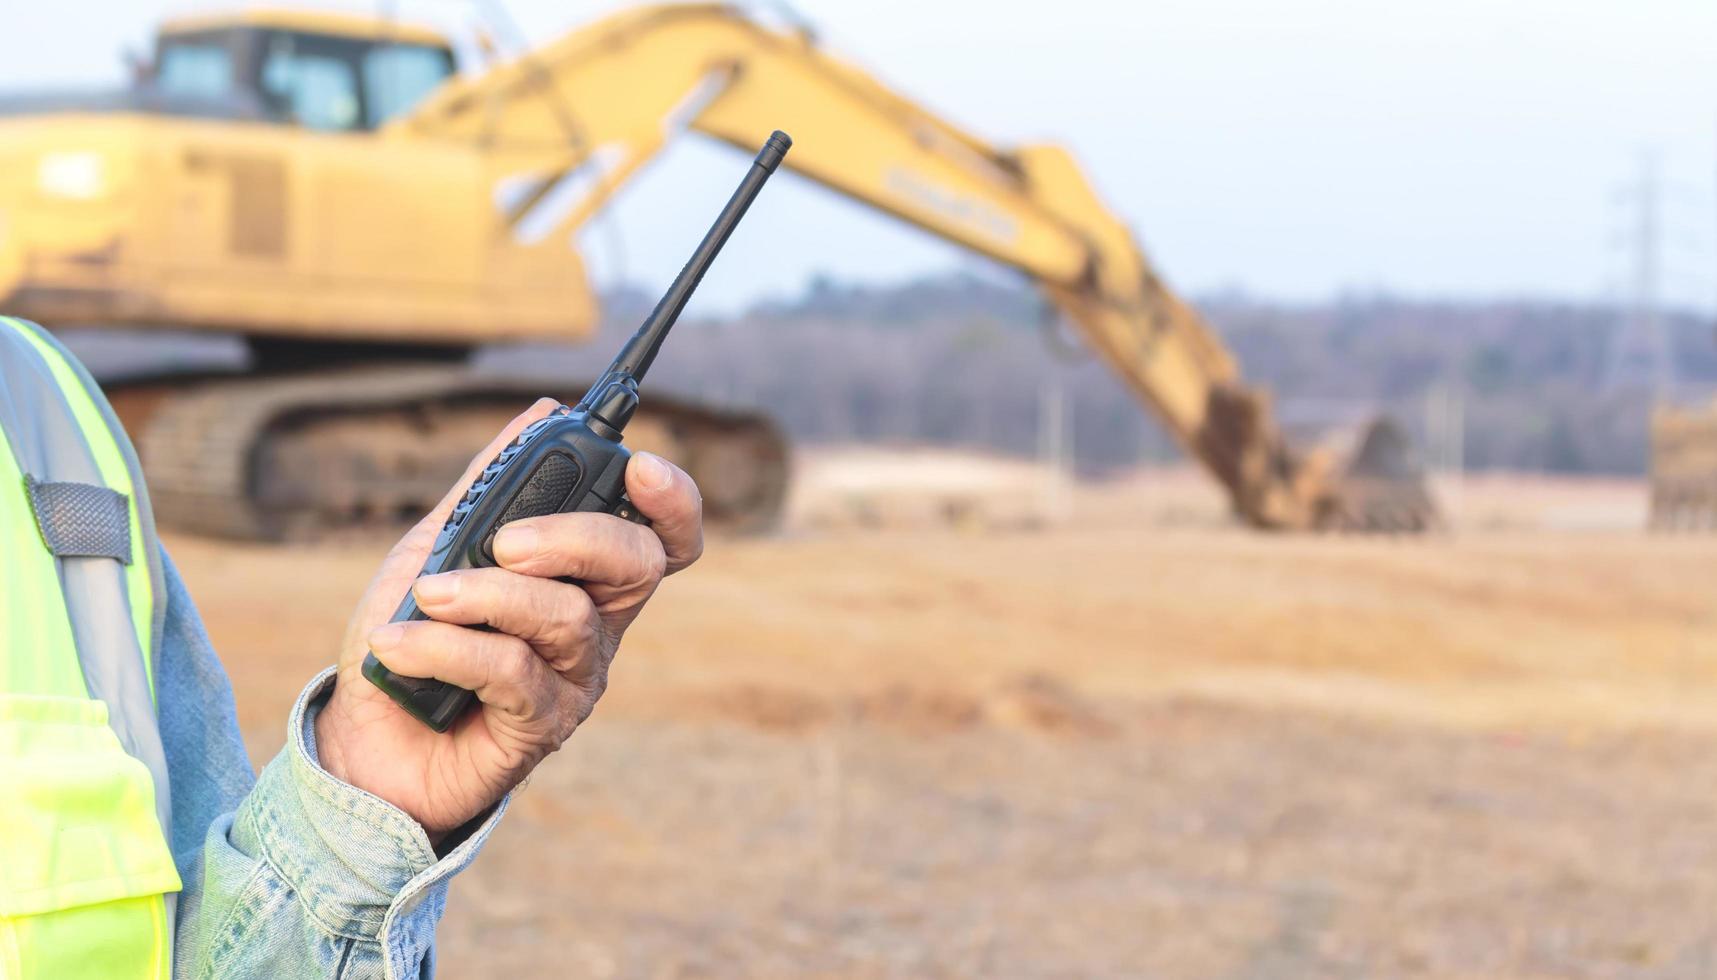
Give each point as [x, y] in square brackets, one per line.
[86, 874]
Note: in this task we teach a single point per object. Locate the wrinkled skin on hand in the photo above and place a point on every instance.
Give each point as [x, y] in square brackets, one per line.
[537, 676]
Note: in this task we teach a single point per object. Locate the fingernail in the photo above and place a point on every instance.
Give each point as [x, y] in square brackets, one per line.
[515, 543]
[386, 637]
[653, 472]
[437, 588]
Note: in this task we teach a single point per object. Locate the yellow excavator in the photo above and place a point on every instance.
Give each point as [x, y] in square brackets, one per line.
[335, 190]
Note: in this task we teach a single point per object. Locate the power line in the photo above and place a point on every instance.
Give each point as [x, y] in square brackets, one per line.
[1639, 354]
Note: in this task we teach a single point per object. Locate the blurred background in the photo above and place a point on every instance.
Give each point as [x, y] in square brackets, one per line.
[1199, 489]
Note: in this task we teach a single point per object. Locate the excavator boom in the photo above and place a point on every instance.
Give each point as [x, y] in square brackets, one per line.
[609, 96]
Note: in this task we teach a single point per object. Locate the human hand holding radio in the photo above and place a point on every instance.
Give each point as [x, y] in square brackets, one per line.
[536, 673]
[526, 576]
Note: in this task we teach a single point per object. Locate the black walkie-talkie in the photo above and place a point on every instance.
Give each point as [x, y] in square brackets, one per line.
[571, 461]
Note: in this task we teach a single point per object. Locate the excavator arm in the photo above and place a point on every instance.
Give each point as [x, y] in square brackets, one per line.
[600, 102]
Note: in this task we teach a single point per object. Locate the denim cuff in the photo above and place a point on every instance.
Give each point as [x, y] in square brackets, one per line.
[361, 867]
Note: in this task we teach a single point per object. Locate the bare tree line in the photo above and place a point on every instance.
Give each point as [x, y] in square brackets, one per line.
[958, 360]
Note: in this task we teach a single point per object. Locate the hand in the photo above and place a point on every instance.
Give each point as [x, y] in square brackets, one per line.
[537, 676]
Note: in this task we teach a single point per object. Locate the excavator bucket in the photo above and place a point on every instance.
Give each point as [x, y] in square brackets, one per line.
[1379, 485]
[1364, 478]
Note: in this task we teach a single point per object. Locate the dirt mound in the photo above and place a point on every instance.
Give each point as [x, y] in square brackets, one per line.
[775, 709]
[1038, 702]
[1030, 702]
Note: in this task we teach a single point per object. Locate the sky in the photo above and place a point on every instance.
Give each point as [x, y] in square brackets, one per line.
[1451, 148]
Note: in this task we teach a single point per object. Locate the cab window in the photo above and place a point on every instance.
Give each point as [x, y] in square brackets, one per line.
[196, 70]
[398, 76]
[324, 82]
[316, 89]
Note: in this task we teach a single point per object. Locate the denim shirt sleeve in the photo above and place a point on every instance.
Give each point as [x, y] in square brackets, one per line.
[295, 874]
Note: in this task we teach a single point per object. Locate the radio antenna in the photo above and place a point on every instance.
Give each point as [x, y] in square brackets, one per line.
[615, 395]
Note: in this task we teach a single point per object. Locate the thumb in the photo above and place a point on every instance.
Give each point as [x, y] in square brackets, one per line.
[405, 559]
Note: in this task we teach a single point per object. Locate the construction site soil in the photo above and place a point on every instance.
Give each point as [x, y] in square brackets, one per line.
[1140, 742]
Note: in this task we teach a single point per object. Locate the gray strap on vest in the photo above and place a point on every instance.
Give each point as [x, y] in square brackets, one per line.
[80, 520]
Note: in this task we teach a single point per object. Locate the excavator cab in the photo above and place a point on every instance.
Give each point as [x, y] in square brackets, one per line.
[318, 71]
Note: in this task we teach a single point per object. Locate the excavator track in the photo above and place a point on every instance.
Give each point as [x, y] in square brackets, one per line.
[292, 456]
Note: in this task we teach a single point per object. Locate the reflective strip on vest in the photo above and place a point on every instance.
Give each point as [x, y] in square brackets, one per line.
[85, 868]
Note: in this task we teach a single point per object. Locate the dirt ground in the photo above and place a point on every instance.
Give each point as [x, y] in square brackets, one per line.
[1137, 743]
